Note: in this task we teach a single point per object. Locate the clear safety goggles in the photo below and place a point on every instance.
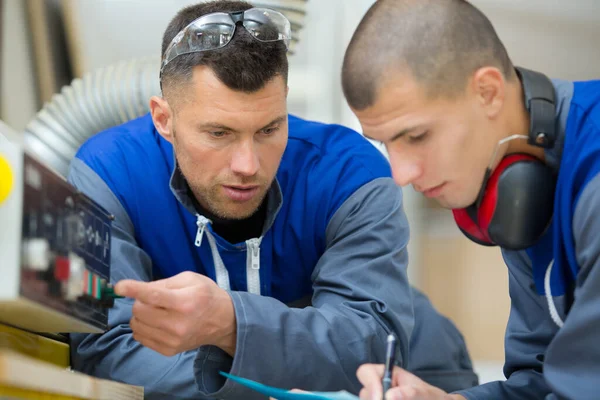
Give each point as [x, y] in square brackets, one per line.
[213, 31]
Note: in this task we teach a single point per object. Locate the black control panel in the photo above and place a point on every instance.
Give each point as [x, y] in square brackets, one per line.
[65, 261]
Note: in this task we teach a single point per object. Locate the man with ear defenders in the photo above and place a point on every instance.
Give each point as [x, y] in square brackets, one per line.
[516, 156]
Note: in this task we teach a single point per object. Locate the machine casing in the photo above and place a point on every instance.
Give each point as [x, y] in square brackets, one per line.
[54, 248]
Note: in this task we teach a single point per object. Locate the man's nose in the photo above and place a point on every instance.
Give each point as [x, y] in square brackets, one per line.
[245, 159]
[405, 171]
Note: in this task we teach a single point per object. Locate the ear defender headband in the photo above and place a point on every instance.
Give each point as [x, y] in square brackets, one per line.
[516, 201]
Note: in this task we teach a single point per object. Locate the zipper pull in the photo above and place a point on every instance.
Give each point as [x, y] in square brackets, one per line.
[254, 249]
[201, 222]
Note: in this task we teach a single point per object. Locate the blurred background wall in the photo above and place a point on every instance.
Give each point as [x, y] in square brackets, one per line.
[46, 43]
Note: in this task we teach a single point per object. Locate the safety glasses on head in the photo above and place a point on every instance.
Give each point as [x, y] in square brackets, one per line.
[213, 31]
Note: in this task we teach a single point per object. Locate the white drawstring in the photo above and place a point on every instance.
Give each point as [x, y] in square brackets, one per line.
[551, 306]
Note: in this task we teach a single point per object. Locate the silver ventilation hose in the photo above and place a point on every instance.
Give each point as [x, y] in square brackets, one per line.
[111, 96]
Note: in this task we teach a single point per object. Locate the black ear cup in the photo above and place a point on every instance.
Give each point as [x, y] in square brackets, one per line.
[516, 201]
[516, 207]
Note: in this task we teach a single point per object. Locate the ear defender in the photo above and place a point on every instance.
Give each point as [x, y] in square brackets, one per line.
[516, 206]
[516, 201]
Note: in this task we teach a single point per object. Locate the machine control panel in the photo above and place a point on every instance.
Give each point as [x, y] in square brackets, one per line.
[54, 250]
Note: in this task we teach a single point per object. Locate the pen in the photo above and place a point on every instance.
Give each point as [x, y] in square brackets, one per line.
[390, 360]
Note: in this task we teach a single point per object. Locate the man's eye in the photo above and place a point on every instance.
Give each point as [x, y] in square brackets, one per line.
[218, 134]
[270, 131]
[417, 138]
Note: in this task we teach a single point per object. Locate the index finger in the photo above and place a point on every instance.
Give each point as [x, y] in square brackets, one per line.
[152, 293]
[370, 376]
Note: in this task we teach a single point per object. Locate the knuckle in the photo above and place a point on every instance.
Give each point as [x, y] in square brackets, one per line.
[188, 275]
[137, 338]
[409, 392]
[164, 351]
[167, 351]
[180, 330]
[137, 308]
[154, 296]
[364, 394]
[186, 306]
[173, 342]
[363, 368]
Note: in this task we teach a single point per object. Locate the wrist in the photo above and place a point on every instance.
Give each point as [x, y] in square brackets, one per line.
[455, 397]
[227, 336]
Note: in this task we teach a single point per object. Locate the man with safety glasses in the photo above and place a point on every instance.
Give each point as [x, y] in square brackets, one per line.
[246, 240]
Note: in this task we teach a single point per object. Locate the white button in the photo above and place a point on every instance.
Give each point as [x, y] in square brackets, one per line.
[37, 254]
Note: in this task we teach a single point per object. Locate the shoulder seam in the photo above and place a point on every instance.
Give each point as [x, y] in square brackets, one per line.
[349, 198]
[322, 153]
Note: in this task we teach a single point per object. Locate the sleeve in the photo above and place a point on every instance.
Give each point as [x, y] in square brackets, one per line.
[528, 334]
[115, 354]
[572, 363]
[361, 293]
[542, 361]
[438, 352]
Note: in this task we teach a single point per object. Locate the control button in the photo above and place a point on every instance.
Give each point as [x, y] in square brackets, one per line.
[37, 254]
[61, 268]
[76, 274]
[6, 179]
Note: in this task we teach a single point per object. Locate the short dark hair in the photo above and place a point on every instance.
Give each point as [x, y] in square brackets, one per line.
[245, 64]
[441, 43]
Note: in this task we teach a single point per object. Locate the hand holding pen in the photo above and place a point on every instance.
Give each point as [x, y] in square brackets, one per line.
[397, 383]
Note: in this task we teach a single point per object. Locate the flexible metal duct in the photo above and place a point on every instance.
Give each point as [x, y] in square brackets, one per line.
[111, 96]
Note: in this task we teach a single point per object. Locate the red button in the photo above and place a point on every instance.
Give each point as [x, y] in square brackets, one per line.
[61, 269]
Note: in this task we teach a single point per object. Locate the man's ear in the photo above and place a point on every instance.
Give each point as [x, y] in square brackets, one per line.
[489, 87]
[162, 116]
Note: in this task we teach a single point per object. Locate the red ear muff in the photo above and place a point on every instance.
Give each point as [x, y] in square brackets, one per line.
[468, 225]
[516, 201]
[516, 204]
[489, 201]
